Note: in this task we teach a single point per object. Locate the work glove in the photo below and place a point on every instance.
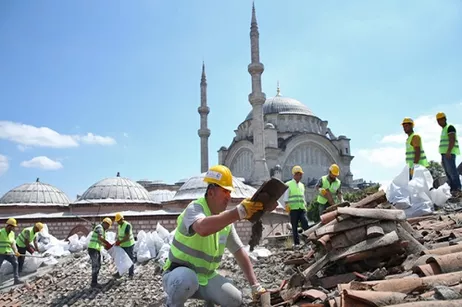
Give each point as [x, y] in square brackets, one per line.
[247, 208]
[323, 191]
[117, 243]
[257, 291]
[287, 208]
[17, 254]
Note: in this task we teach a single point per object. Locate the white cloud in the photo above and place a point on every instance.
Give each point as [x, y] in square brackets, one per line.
[126, 134]
[3, 164]
[90, 138]
[386, 160]
[42, 162]
[27, 135]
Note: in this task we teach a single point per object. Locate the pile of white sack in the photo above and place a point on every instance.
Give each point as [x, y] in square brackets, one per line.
[153, 245]
[416, 197]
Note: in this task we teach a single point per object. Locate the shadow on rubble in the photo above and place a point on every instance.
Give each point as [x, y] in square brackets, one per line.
[88, 293]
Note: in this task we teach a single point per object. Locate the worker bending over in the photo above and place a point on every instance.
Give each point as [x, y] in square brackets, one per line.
[97, 241]
[126, 240]
[203, 231]
[329, 193]
[415, 153]
[8, 250]
[294, 199]
[27, 237]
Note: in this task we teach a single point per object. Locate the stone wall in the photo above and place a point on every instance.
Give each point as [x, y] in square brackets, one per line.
[61, 227]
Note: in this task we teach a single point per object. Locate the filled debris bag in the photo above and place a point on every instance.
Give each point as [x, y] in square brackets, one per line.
[143, 253]
[75, 245]
[121, 259]
[31, 264]
[441, 195]
[412, 196]
[162, 232]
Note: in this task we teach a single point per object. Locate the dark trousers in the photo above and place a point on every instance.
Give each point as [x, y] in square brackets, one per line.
[452, 174]
[129, 251]
[315, 210]
[14, 263]
[21, 250]
[95, 257]
[298, 215]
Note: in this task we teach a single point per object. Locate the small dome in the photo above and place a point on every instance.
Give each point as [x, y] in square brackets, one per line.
[160, 196]
[283, 105]
[195, 187]
[115, 190]
[35, 194]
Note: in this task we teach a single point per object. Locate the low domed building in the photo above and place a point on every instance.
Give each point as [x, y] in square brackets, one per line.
[114, 194]
[36, 197]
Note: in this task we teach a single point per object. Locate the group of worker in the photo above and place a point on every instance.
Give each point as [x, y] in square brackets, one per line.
[14, 249]
[125, 240]
[448, 148]
[329, 193]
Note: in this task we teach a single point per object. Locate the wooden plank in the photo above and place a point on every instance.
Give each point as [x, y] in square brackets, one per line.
[378, 214]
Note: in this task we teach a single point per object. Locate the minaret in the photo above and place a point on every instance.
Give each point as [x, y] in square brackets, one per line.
[257, 99]
[204, 132]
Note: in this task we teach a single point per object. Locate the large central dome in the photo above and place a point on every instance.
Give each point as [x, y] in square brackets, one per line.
[283, 105]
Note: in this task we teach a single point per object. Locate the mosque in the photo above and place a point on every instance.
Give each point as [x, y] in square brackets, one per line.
[277, 134]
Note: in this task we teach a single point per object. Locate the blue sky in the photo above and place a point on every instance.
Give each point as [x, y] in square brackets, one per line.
[90, 88]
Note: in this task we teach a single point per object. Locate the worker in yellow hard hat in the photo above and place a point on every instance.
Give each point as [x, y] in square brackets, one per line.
[294, 199]
[449, 149]
[329, 193]
[97, 241]
[203, 231]
[126, 240]
[415, 153]
[27, 237]
[8, 249]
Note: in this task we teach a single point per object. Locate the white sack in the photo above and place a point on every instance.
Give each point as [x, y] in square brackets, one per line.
[412, 196]
[142, 251]
[121, 259]
[75, 244]
[163, 254]
[162, 232]
[31, 264]
[441, 195]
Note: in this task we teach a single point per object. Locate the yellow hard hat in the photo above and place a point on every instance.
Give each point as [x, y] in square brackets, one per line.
[108, 221]
[297, 169]
[39, 226]
[408, 120]
[334, 169]
[440, 115]
[221, 175]
[12, 222]
[118, 217]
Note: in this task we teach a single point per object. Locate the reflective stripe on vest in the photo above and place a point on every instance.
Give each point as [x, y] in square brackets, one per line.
[121, 235]
[200, 254]
[444, 142]
[332, 187]
[410, 152]
[95, 243]
[27, 234]
[296, 195]
[6, 241]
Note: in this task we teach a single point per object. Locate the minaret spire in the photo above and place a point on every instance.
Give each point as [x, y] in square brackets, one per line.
[204, 132]
[257, 99]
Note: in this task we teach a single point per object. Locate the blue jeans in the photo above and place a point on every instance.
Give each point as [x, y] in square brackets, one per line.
[452, 174]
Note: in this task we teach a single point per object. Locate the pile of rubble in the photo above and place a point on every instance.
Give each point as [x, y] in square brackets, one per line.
[369, 254]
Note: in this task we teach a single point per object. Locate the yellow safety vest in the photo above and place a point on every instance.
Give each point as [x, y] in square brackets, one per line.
[27, 234]
[410, 152]
[121, 235]
[6, 242]
[200, 254]
[296, 195]
[95, 243]
[444, 142]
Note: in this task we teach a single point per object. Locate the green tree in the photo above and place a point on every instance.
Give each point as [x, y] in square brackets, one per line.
[435, 169]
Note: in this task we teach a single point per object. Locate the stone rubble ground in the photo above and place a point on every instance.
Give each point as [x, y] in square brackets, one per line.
[288, 274]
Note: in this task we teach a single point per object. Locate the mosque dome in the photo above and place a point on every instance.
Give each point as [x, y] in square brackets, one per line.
[160, 196]
[35, 194]
[283, 105]
[115, 190]
[195, 187]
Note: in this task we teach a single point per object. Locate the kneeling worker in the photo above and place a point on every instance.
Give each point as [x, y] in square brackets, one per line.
[203, 231]
[97, 240]
[330, 193]
[27, 237]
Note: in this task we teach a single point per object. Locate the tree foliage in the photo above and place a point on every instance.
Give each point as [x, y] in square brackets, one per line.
[435, 169]
[360, 194]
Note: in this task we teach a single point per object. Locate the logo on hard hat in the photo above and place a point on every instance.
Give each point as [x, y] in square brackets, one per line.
[213, 175]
